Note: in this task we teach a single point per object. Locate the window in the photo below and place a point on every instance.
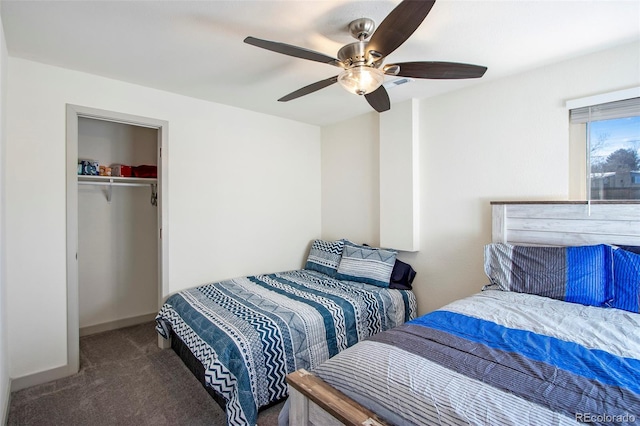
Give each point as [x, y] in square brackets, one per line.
[612, 138]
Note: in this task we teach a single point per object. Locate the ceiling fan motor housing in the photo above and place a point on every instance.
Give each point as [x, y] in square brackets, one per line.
[353, 54]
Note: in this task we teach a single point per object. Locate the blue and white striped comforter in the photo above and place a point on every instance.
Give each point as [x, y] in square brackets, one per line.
[250, 332]
[499, 358]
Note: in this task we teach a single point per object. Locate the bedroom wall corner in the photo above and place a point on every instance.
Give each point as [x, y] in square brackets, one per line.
[5, 381]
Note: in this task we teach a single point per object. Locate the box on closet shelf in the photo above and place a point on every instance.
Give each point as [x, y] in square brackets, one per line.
[145, 171]
[88, 167]
[105, 171]
[121, 170]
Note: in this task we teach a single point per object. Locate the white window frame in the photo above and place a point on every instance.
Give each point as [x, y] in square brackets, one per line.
[579, 186]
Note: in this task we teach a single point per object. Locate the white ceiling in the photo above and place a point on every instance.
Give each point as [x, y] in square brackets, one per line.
[196, 48]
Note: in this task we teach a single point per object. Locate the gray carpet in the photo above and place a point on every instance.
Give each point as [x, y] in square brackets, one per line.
[124, 379]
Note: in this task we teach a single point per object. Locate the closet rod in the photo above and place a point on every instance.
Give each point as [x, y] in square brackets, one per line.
[111, 184]
[115, 183]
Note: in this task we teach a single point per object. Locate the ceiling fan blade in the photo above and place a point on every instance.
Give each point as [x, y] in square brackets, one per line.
[439, 70]
[398, 26]
[314, 87]
[296, 52]
[379, 99]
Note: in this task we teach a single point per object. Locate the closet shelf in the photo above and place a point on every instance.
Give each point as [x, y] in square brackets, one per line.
[115, 180]
[112, 181]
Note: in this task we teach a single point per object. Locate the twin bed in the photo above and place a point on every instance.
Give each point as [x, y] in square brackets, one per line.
[553, 339]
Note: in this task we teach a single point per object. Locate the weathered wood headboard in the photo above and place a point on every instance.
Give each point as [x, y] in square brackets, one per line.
[566, 222]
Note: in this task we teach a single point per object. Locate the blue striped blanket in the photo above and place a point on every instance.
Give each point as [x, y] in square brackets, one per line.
[500, 358]
[250, 332]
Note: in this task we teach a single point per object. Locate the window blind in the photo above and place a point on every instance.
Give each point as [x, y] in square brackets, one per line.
[607, 111]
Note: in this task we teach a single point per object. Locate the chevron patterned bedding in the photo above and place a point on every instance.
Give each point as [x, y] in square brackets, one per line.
[499, 358]
[249, 333]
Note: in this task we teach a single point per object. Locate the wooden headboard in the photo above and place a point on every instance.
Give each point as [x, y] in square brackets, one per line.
[566, 223]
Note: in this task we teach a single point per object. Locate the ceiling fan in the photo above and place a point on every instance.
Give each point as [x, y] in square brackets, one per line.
[361, 62]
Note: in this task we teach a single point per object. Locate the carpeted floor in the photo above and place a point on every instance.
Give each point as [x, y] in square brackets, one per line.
[124, 379]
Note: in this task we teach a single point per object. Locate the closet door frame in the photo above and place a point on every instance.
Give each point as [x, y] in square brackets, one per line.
[73, 113]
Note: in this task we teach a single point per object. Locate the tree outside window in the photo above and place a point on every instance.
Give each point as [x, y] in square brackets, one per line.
[614, 159]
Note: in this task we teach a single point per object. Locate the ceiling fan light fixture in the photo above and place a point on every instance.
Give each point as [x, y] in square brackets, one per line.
[361, 80]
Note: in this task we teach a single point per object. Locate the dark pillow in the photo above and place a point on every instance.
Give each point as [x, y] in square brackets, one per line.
[402, 276]
[632, 249]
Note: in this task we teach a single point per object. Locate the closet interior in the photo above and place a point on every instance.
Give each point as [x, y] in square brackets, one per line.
[117, 224]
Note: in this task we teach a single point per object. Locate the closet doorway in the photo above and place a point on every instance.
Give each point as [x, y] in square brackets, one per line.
[116, 225]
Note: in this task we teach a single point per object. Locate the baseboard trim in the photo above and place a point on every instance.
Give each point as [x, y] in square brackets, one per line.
[56, 373]
[7, 404]
[114, 325]
[41, 377]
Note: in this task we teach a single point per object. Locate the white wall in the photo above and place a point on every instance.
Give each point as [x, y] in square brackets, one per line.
[503, 140]
[351, 180]
[400, 176]
[243, 195]
[4, 351]
[117, 240]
